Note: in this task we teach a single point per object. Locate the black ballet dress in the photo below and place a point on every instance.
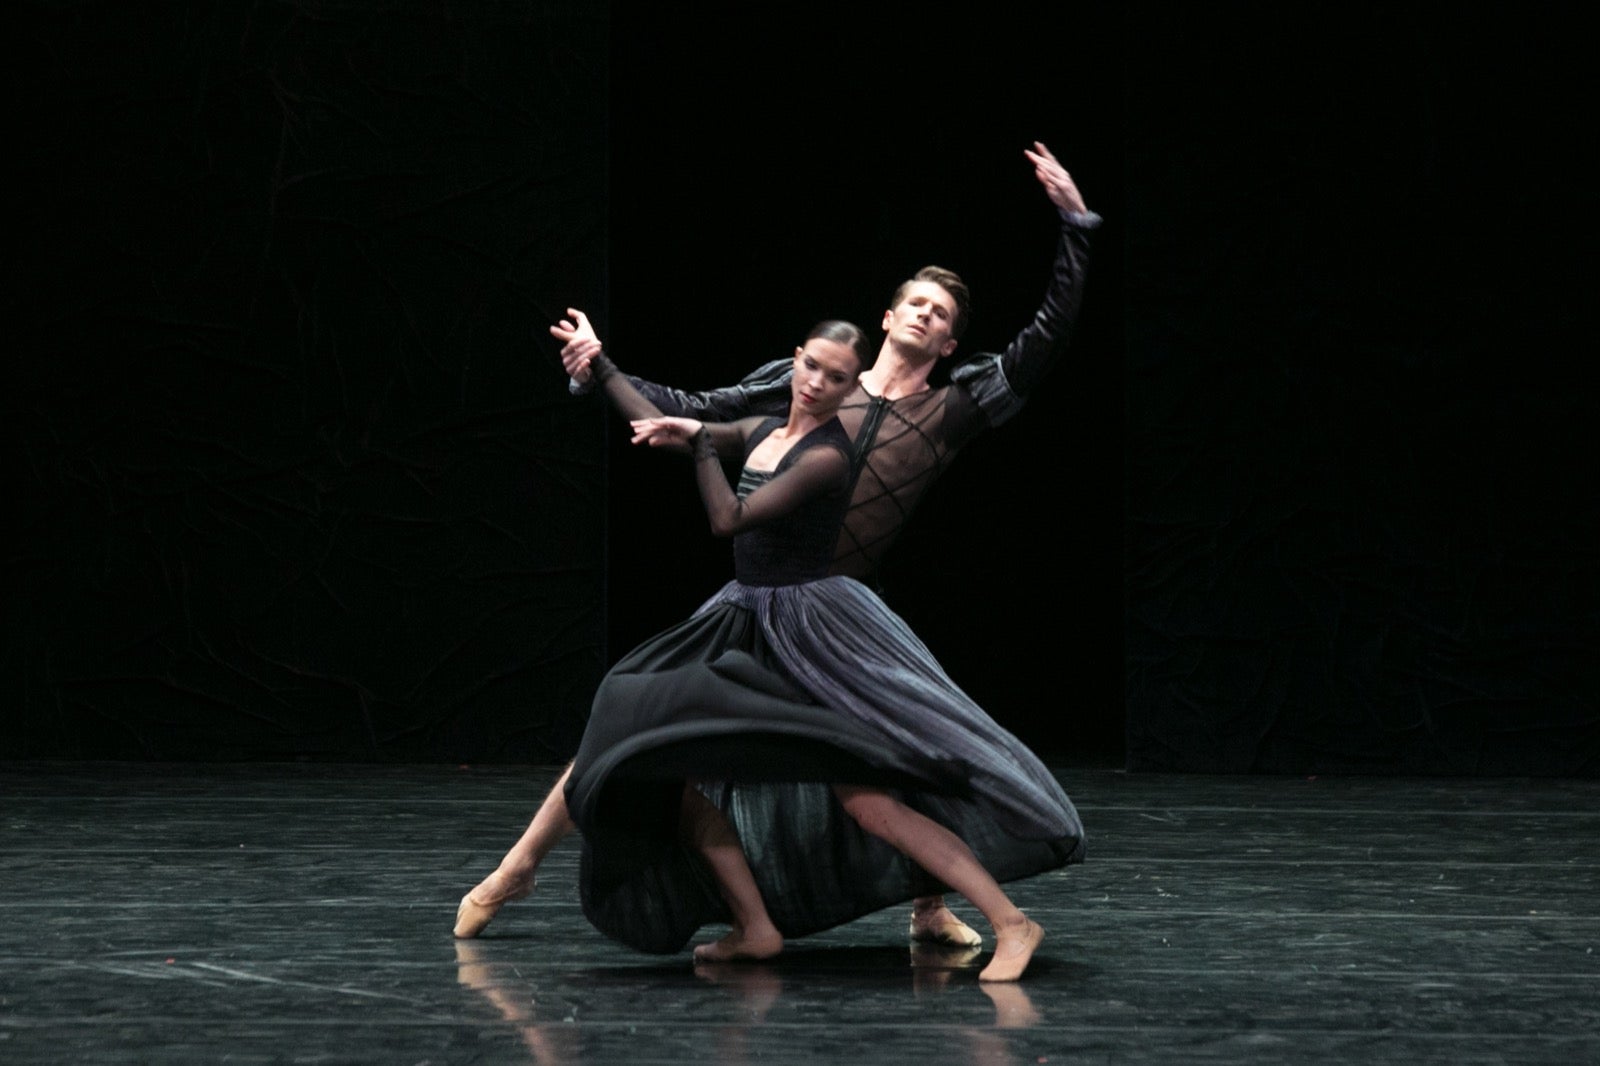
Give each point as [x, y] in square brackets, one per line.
[783, 682]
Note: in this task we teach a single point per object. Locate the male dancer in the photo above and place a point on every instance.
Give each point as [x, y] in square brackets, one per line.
[905, 433]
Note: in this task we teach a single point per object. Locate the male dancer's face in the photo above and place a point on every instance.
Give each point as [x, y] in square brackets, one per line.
[920, 324]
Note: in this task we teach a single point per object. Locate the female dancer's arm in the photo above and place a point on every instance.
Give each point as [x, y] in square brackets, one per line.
[764, 392]
[814, 472]
[629, 401]
[727, 438]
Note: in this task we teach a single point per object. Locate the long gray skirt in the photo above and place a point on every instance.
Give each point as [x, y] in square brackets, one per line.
[764, 698]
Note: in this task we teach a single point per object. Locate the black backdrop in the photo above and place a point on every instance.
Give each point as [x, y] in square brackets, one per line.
[285, 479]
[295, 475]
[1362, 507]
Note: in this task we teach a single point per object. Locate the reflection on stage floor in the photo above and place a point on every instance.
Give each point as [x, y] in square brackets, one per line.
[302, 913]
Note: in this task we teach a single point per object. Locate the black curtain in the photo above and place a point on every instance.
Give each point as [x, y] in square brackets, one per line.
[293, 472]
[296, 473]
[1362, 507]
[287, 477]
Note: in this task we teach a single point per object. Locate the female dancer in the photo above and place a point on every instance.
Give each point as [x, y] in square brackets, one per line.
[796, 720]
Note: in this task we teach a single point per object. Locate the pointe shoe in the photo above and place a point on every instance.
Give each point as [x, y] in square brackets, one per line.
[472, 916]
[951, 931]
[1012, 953]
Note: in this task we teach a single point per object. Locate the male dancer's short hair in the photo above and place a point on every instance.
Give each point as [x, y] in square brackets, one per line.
[950, 282]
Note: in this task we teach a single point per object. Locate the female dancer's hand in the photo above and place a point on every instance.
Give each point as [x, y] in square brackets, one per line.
[575, 358]
[665, 432]
[581, 344]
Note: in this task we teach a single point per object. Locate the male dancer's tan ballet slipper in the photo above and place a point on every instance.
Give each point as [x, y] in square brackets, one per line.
[948, 930]
[1013, 951]
[472, 916]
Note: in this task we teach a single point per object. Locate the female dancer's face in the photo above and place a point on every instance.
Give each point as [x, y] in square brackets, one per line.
[824, 373]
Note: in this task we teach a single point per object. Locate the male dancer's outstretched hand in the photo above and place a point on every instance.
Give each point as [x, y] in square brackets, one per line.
[580, 344]
[1058, 184]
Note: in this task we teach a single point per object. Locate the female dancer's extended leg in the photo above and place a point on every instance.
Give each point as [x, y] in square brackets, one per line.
[514, 877]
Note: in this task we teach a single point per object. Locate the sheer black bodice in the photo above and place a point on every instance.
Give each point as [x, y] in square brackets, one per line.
[799, 547]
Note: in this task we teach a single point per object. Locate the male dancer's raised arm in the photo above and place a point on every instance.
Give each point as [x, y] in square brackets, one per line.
[1002, 382]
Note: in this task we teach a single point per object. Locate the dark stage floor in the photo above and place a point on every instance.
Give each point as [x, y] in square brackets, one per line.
[287, 914]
